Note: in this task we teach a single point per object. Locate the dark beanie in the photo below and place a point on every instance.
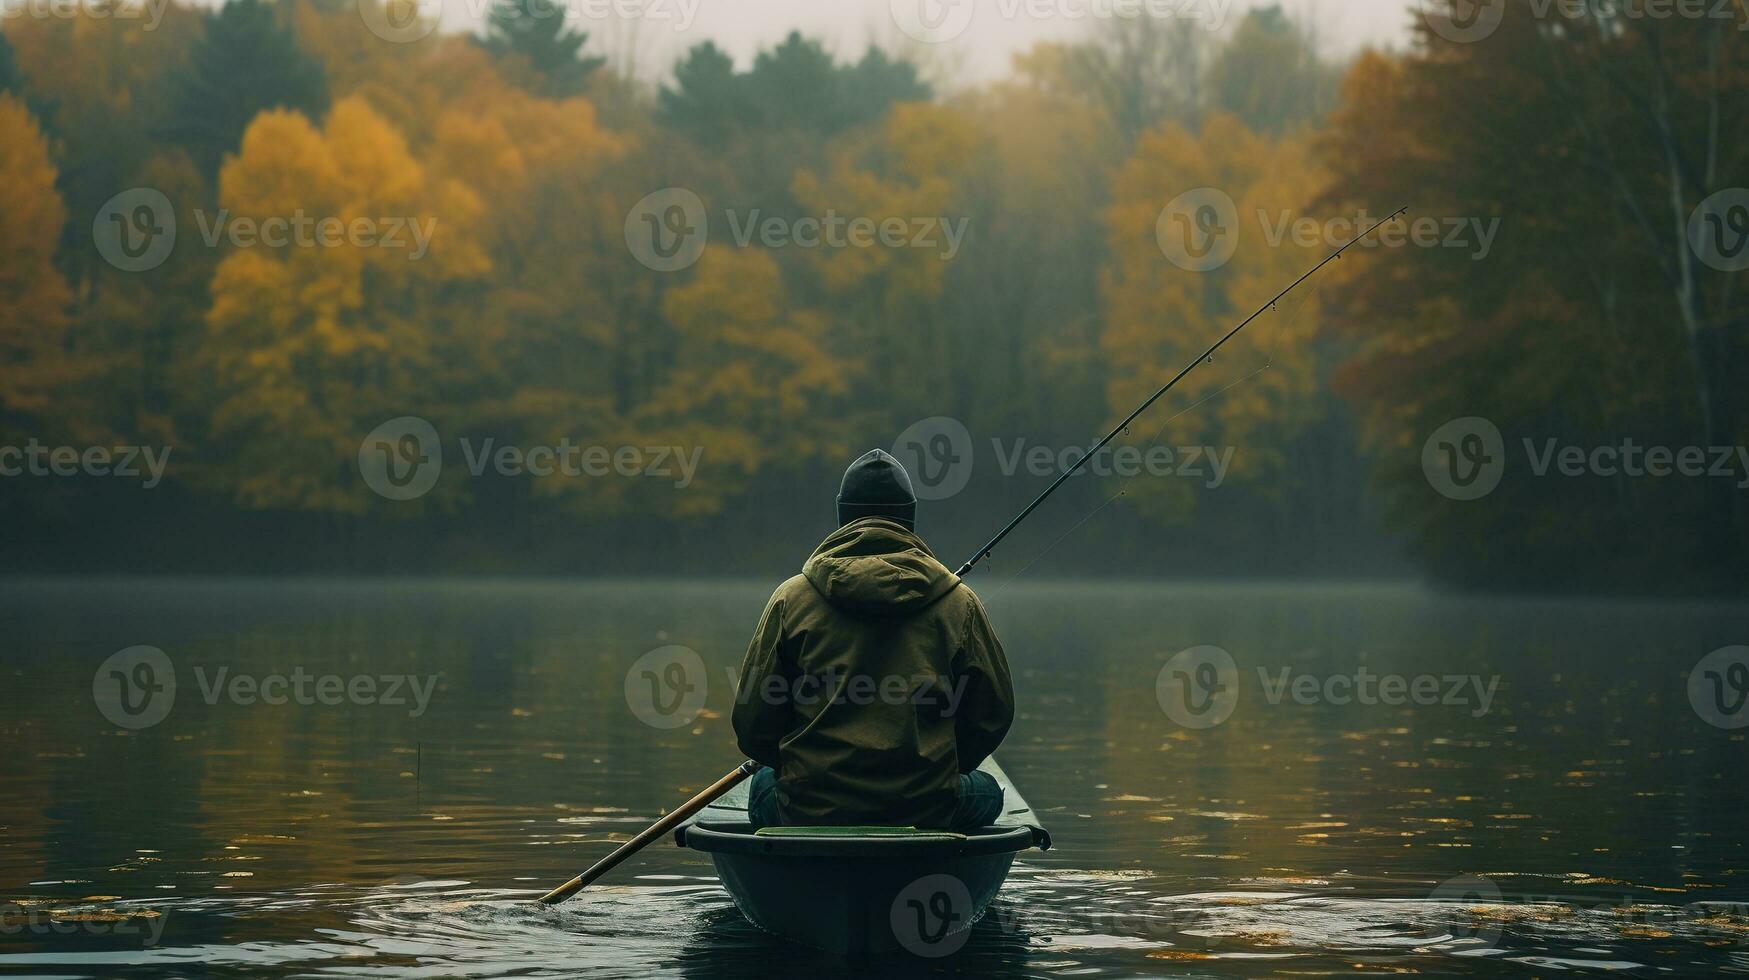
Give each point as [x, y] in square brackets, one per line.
[876, 485]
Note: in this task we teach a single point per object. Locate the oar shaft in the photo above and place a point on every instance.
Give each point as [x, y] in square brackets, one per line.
[655, 830]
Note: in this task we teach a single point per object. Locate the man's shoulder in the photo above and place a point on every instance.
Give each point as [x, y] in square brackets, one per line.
[794, 589]
[963, 599]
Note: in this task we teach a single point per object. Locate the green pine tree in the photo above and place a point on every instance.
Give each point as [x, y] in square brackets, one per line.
[248, 62]
[533, 32]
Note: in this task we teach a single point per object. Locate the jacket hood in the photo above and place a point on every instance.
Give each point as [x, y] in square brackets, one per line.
[877, 567]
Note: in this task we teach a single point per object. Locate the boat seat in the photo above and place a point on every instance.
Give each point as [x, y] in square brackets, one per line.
[910, 832]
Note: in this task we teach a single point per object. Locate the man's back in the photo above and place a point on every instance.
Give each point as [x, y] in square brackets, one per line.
[873, 682]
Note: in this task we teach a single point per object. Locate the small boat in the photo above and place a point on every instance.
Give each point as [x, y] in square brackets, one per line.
[861, 891]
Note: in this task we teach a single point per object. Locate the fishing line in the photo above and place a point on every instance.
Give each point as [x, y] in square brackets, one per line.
[1060, 539]
[1313, 287]
[1207, 356]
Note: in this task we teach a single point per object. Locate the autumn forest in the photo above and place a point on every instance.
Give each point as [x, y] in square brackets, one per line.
[447, 227]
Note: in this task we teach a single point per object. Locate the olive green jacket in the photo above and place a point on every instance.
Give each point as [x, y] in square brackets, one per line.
[873, 681]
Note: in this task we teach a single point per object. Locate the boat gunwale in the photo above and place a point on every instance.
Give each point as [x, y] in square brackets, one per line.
[724, 837]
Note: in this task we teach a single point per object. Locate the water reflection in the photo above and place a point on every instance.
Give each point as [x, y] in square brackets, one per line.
[361, 839]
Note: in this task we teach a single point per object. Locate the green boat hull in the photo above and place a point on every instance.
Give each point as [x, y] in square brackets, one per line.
[863, 891]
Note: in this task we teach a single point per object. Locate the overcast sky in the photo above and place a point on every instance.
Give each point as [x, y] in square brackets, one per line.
[974, 39]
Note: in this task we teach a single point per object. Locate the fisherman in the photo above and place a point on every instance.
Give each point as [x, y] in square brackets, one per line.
[874, 685]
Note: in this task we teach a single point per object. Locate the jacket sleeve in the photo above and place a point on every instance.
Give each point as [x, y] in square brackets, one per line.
[986, 701]
[760, 719]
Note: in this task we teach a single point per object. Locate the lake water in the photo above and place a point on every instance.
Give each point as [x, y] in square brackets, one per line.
[1558, 802]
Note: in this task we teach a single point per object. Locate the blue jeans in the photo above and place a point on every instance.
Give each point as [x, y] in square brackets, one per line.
[980, 801]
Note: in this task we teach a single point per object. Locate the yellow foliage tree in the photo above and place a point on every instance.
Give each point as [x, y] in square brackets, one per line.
[315, 343]
[1260, 390]
[33, 296]
[750, 376]
[885, 294]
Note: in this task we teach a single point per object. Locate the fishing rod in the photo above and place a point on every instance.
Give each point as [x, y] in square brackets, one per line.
[1207, 356]
[735, 776]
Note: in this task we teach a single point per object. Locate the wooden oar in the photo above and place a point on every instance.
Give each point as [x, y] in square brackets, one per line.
[650, 833]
